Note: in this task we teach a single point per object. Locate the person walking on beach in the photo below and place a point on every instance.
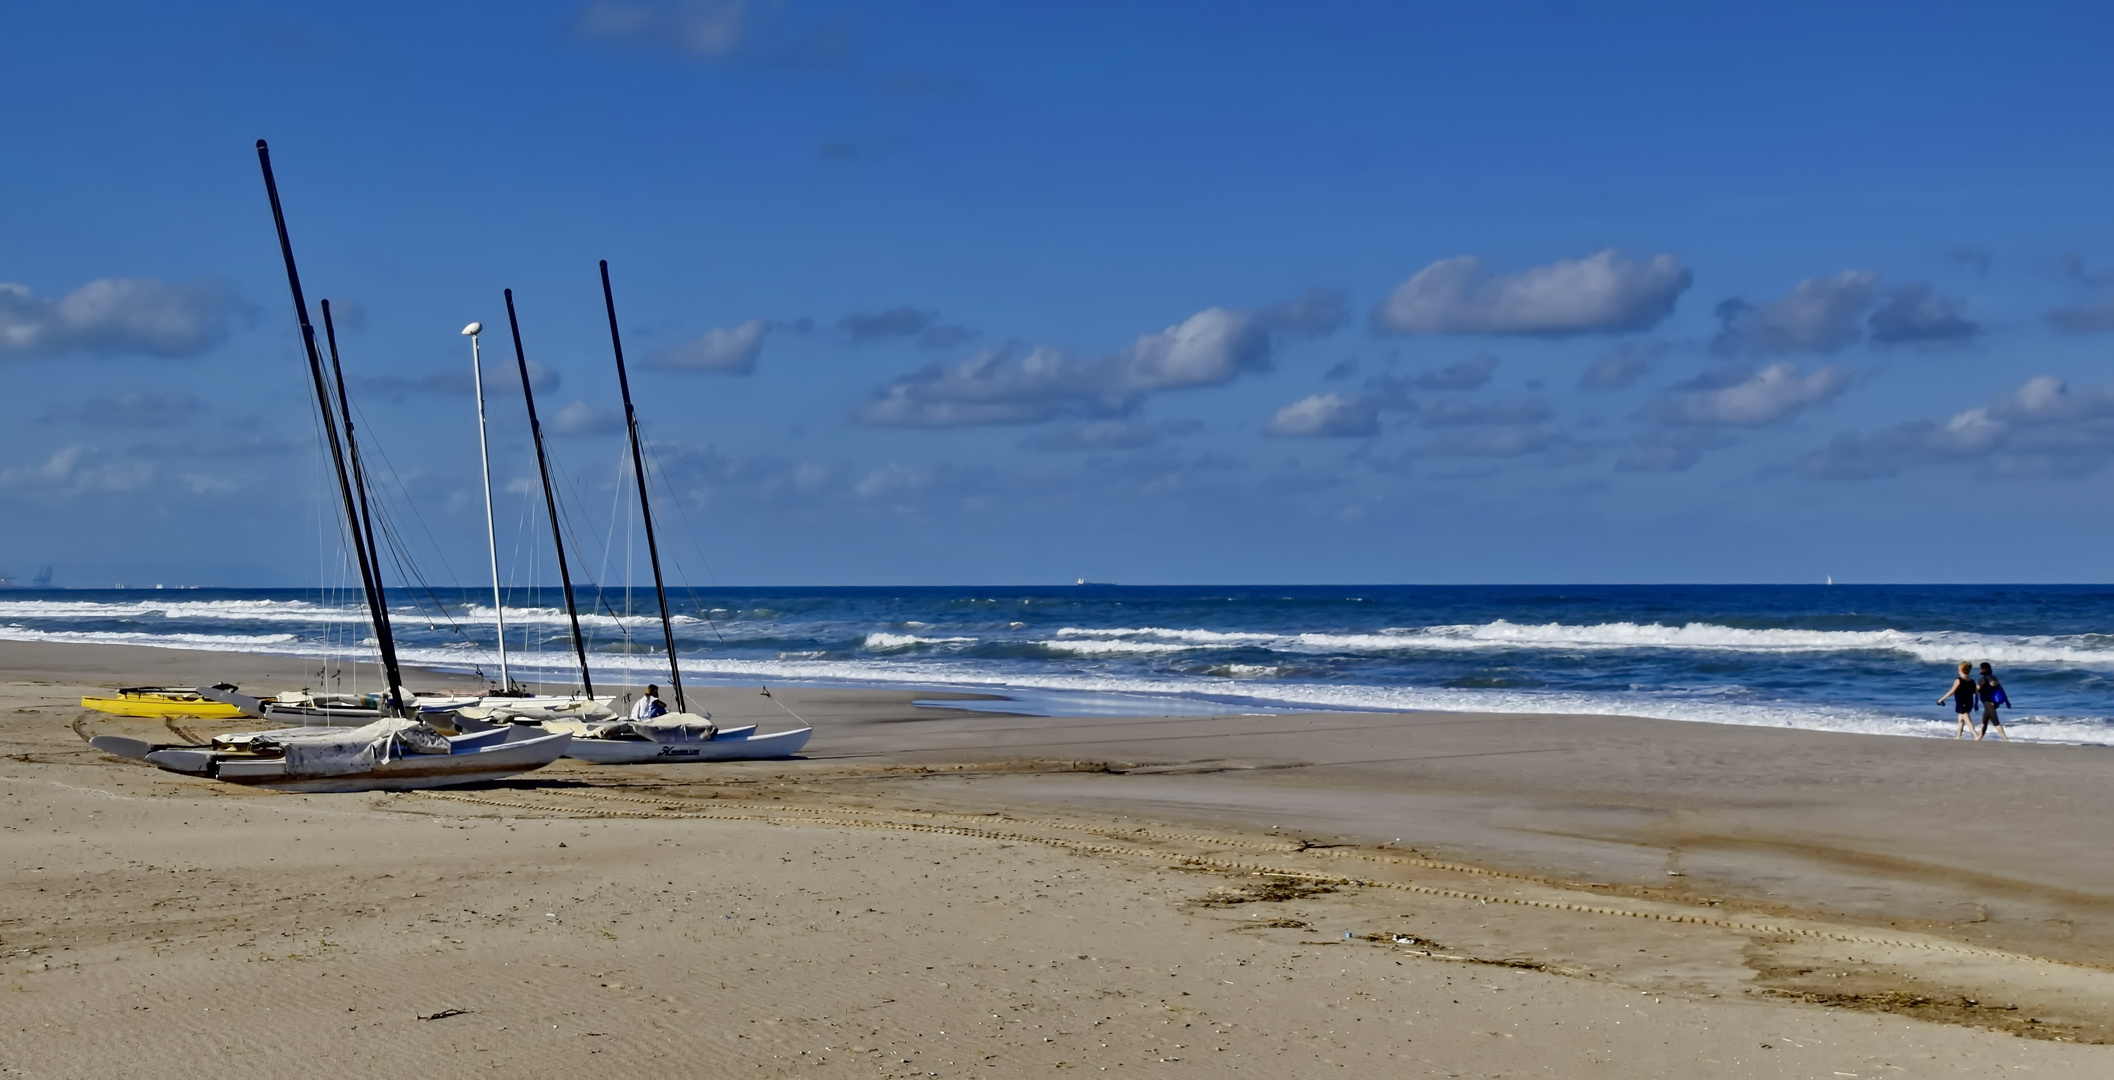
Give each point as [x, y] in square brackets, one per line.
[1992, 694]
[1962, 695]
[649, 705]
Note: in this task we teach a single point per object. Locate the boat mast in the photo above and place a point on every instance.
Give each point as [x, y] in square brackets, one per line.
[550, 499]
[352, 445]
[491, 530]
[638, 472]
[370, 572]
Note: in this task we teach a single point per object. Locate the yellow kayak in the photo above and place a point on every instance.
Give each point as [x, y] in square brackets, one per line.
[158, 702]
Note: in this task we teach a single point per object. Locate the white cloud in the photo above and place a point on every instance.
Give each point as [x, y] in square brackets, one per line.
[117, 315]
[585, 418]
[1740, 397]
[1600, 294]
[998, 386]
[1326, 415]
[2042, 428]
[1818, 315]
[732, 351]
[78, 469]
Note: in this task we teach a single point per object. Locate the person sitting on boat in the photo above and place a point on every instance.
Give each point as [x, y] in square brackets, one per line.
[649, 705]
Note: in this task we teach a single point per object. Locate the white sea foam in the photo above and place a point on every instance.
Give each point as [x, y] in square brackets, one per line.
[889, 642]
[1116, 647]
[289, 611]
[208, 642]
[554, 616]
[1925, 646]
[302, 611]
[1245, 671]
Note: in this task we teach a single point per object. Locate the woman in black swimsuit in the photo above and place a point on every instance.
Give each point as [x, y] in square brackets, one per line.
[1963, 696]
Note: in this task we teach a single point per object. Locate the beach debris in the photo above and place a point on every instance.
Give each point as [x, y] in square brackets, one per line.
[443, 1014]
[1268, 891]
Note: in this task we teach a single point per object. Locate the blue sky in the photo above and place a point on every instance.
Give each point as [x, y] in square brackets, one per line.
[958, 293]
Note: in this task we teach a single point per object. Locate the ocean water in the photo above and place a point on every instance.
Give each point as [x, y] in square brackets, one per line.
[1845, 657]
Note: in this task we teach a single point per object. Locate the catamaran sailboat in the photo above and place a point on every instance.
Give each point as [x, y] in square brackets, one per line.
[600, 735]
[393, 752]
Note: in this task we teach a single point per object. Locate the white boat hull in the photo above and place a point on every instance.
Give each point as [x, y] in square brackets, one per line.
[486, 759]
[734, 744]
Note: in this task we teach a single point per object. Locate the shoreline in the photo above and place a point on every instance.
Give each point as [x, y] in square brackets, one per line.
[143, 657]
[1846, 892]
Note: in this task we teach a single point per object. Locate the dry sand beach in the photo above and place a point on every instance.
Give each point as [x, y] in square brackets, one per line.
[932, 892]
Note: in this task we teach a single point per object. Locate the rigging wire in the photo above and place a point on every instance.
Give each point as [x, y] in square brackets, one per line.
[317, 419]
[653, 470]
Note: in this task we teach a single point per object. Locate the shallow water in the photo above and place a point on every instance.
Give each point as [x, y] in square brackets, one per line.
[1845, 657]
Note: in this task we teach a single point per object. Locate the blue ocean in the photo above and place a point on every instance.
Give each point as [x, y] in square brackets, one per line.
[1869, 658]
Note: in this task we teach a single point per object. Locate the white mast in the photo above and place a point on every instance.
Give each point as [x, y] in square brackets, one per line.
[491, 529]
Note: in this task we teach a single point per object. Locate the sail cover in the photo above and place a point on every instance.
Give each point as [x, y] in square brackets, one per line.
[358, 749]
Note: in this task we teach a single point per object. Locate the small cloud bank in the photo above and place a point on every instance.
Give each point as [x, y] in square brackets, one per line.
[132, 409]
[1622, 368]
[2093, 316]
[1111, 435]
[904, 322]
[1460, 428]
[80, 469]
[585, 418]
[1466, 375]
[1605, 293]
[1009, 386]
[1329, 415]
[1318, 312]
[1828, 314]
[1819, 314]
[2041, 429]
[458, 382]
[117, 316]
[2090, 318]
[1744, 397]
[1695, 417]
[731, 351]
[718, 30]
[1915, 314]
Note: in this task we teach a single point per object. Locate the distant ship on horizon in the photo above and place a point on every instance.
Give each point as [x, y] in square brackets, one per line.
[41, 581]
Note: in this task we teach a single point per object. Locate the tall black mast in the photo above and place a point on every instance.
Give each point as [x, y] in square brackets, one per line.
[550, 500]
[638, 471]
[370, 579]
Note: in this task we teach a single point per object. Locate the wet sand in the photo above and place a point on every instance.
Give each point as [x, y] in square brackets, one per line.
[932, 891]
